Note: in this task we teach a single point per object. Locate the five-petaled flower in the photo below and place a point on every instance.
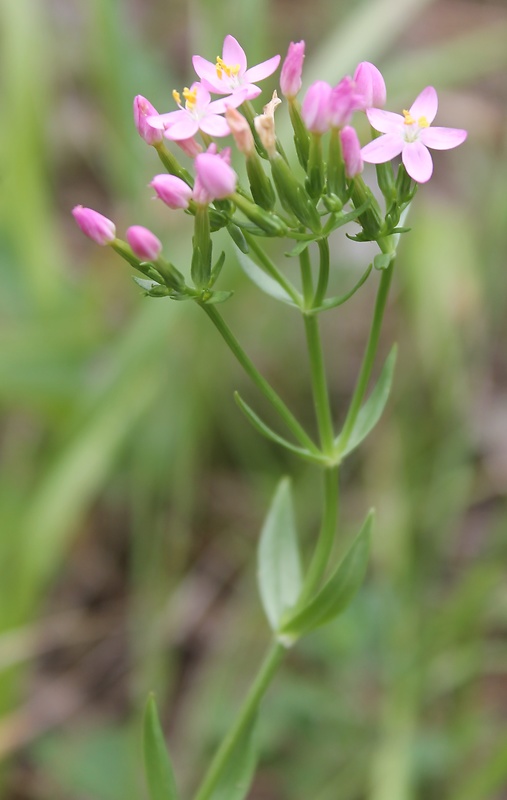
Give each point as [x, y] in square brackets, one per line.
[229, 75]
[198, 113]
[411, 135]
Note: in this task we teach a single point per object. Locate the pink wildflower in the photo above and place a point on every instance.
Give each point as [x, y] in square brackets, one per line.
[351, 150]
[292, 68]
[411, 135]
[229, 75]
[198, 113]
[315, 108]
[371, 85]
[144, 243]
[174, 192]
[94, 225]
[142, 110]
[214, 177]
[343, 101]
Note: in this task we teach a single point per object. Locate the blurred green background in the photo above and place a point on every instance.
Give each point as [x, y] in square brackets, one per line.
[132, 490]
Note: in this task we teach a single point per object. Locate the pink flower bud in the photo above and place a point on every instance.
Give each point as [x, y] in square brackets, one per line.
[315, 107]
[97, 227]
[343, 101]
[241, 131]
[292, 67]
[143, 109]
[351, 150]
[174, 192]
[215, 179]
[371, 85]
[190, 147]
[144, 243]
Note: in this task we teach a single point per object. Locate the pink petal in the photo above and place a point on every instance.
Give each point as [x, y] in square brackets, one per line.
[250, 91]
[162, 121]
[385, 121]
[214, 125]
[262, 70]
[232, 101]
[417, 161]
[382, 149]
[208, 75]
[183, 129]
[234, 54]
[442, 138]
[425, 105]
[202, 95]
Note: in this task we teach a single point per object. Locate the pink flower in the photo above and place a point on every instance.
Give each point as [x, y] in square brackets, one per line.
[198, 113]
[343, 101]
[371, 85]
[94, 225]
[351, 150]
[144, 243]
[315, 108]
[142, 110]
[214, 179]
[229, 75]
[411, 135]
[174, 192]
[292, 68]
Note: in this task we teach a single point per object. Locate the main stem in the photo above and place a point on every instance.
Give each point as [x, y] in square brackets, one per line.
[258, 379]
[244, 719]
[326, 538]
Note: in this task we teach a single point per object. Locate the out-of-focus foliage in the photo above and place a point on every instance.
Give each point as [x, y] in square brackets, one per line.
[132, 489]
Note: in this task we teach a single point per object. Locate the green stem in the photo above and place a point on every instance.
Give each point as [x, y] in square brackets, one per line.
[258, 379]
[323, 281]
[317, 368]
[272, 269]
[370, 351]
[326, 538]
[245, 717]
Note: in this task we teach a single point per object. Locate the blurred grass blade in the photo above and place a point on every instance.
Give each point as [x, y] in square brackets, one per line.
[340, 589]
[158, 768]
[237, 776]
[279, 563]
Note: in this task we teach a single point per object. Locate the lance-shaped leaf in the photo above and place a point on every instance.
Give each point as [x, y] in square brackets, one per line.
[338, 592]
[372, 410]
[264, 282]
[158, 768]
[278, 557]
[266, 431]
[237, 776]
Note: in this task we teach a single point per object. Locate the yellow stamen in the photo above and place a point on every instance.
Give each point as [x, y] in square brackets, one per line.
[409, 120]
[423, 122]
[177, 97]
[190, 98]
[230, 71]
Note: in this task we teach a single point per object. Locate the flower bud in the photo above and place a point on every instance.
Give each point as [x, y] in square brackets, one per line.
[174, 192]
[143, 109]
[343, 101]
[241, 131]
[290, 76]
[315, 108]
[351, 150]
[144, 243]
[215, 179]
[94, 225]
[190, 147]
[371, 85]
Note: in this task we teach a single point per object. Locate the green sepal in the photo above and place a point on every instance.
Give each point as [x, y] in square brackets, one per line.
[337, 594]
[266, 431]
[201, 256]
[217, 269]
[299, 248]
[293, 196]
[383, 260]
[260, 185]
[158, 768]
[279, 564]
[238, 238]
[212, 298]
[266, 220]
[315, 169]
[236, 777]
[371, 411]
[301, 135]
[152, 288]
[336, 179]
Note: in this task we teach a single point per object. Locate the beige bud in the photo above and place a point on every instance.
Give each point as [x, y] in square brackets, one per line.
[241, 132]
[265, 125]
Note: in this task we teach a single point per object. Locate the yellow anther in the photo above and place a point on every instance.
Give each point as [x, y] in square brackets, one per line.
[409, 120]
[423, 122]
[177, 97]
[221, 68]
[190, 97]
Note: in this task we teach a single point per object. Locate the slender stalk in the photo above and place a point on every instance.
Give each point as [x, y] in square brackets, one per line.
[369, 354]
[323, 281]
[306, 276]
[245, 717]
[326, 538]
[261, 383]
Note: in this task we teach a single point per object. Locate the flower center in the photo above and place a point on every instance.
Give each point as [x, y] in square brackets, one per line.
[189, 96]
[411, 133]
[231, 71]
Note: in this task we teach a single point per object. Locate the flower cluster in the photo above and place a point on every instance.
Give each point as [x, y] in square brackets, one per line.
[280, 202]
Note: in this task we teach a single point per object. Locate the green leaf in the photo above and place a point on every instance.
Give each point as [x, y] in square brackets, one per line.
[338, 592]
[299, 248]
[333, 302]
[158, 768]
[217, 268]
[264, 430]
[237, 237]
[372, 410]
[382, 260]
[278, 557]
[218, 297]
[263, 282]
[237, 776]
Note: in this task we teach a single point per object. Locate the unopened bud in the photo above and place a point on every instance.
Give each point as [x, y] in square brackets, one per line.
[371, 85]
[98, 228]
[241, 131]
[144, 243]
[190, 147]
[173, 191]
[143, 109]
[351, 150]
[292, 68]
